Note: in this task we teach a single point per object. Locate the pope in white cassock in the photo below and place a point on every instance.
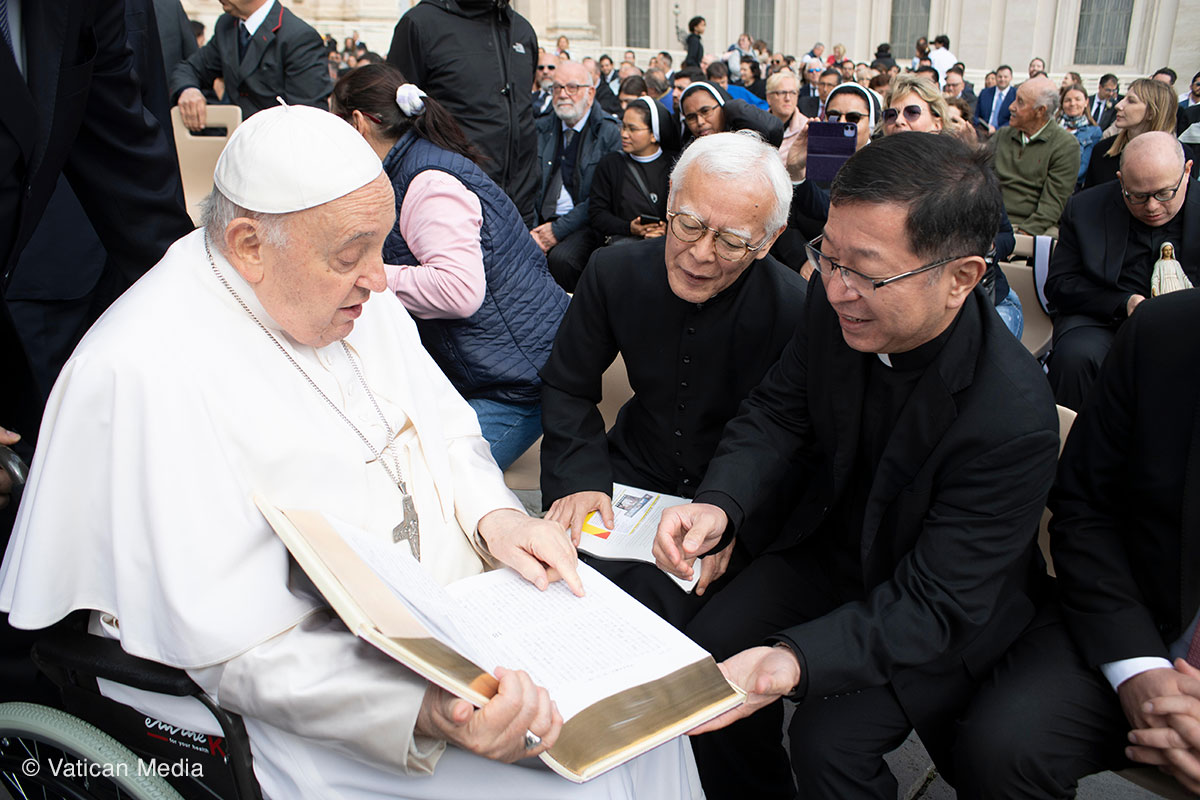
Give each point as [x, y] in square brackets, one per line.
[248, 361]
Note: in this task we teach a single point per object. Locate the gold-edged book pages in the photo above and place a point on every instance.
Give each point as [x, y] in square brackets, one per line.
[625, 681]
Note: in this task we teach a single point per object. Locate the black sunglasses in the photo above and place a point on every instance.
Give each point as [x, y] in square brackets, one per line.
[852, 117]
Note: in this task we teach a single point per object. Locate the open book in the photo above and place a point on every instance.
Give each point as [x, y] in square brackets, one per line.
[624, 679]
[636, 514]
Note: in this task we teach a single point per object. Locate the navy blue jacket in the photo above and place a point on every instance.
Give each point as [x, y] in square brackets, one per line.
[496, 352]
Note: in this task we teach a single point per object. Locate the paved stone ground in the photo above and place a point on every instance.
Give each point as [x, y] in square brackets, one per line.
[919, 781]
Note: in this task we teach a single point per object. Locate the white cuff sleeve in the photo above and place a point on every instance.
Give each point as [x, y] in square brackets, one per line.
[1117, 672]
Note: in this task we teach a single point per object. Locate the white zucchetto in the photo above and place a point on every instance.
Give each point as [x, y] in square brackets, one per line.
[290, 158]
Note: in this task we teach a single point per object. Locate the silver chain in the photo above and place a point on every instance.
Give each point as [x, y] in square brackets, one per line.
[397, 477]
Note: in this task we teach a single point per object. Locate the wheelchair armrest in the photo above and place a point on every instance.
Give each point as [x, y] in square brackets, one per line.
[64, 652]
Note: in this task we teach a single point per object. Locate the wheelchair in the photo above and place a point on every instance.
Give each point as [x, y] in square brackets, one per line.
[100, 749]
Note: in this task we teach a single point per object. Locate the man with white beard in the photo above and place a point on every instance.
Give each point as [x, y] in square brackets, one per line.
[249, 362]
[571, 143]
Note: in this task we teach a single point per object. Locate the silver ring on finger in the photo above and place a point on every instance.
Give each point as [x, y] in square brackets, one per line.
[532, 740]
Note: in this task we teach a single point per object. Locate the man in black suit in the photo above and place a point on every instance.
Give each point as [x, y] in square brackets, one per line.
[63, 279]
[698, 324]
[1109, 239]
[262, 51]
[928, 438]
[69, 104]
[1103, 103]
[1125, 536]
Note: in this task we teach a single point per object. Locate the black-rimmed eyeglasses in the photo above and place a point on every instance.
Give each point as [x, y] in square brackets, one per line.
[1162, 195]
[854, 280]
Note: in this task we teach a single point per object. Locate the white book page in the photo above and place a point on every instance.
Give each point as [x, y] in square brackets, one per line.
[416, 588]
[636, 514]
[581, 649]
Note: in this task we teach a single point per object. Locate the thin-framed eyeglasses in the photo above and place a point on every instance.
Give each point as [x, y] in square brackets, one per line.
[727, 246]
[569, 88]
[1162, 195]
[854, 280]
[911, 113]
[703, 111]
[784, 93]
[633, 128]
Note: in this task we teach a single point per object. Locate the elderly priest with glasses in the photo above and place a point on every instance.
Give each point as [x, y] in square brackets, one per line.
[698, 315]
[249, 361]
[925, 438]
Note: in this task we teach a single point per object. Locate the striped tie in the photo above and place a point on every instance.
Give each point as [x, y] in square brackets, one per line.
[1193, 653]
[4, 25]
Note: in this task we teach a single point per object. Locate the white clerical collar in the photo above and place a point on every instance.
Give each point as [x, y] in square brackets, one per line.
[885, 358]
[241, 287]
[253, 21]
[647, 159]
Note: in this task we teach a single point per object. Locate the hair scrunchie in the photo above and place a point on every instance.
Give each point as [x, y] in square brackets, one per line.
[408, 98]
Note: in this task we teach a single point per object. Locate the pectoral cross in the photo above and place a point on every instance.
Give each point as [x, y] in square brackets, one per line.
[409, 528]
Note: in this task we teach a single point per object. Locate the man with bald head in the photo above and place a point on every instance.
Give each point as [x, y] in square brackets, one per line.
[1109, 239]
[571, 142]
[1036, 160]
[249, 361]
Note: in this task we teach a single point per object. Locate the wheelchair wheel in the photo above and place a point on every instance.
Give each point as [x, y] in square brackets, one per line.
[48, 753]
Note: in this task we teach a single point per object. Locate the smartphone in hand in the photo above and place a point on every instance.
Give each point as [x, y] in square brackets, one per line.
[830, 144]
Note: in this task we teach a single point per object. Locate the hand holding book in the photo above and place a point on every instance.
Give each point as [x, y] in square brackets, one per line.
[497, 730]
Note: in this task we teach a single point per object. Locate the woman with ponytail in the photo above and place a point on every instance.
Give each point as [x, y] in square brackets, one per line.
[460, 259]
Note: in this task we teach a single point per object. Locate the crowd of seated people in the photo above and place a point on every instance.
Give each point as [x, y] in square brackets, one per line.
[829, 369]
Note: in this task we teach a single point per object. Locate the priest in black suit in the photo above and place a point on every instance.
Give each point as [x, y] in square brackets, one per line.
[1109, 239]
[1125, 536]
[927, 441]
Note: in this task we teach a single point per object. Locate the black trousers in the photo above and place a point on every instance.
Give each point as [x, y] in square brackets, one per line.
[1040, 722]
[837, 743]
[568, 258]
[1076, 358]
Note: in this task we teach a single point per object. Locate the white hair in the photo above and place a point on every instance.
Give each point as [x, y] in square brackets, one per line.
[217, 211]
[742, 157]
[1045, 96]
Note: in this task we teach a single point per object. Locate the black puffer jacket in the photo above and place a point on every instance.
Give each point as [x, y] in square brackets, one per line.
[477, 58]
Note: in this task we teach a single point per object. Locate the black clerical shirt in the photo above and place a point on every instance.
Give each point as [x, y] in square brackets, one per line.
[887, 390]
[1141, 251]
[689, 364]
